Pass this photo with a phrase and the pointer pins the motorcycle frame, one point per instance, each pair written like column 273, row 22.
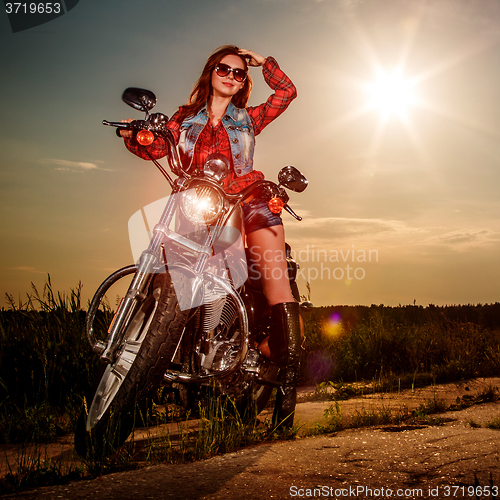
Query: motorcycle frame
column 150, row 263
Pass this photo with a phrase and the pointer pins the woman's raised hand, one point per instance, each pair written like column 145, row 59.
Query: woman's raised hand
column 253, row 59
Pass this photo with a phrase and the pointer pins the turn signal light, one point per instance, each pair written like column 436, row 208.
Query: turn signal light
column 145, row 137
column 275, row 205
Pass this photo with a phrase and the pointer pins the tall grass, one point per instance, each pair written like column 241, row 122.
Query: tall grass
column 221, row 429
column 45, row 364
column 34, row 468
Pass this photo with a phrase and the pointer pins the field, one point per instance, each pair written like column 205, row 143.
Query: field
column 406, row 345
column 46, row 364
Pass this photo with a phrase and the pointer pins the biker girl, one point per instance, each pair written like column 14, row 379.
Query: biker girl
column 217, row 120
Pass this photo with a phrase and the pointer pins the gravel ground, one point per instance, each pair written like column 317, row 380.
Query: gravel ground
column 418, row 461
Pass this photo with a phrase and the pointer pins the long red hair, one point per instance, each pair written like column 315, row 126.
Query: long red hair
column 203, row 88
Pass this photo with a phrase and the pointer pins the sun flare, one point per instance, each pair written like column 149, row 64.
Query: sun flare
column 392, row 94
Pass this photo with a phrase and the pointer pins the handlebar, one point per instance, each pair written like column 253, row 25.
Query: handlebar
column 160, row 130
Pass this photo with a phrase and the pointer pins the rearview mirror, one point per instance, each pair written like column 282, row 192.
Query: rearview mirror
column 140, row 99
column 292, row 179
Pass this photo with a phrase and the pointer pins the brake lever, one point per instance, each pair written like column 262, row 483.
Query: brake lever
column 134, row 124
column 291, row 212
column 116, row 124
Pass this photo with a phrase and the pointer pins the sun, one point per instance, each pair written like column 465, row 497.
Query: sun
column 392, row 94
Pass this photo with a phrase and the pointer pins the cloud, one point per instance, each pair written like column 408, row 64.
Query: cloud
column 374, row 225
column 343, row 228
column 67, row 165
column 29, row 269
column 465, row 237
column 339, row 232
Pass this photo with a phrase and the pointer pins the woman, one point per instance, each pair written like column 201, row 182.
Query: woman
column 217, row 120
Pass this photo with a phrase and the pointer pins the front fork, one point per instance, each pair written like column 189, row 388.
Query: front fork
column 135, row 294
column 148, row 264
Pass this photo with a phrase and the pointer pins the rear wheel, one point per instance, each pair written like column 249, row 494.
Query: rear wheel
column 258, row 397
column 149, row 344
column 262, row 392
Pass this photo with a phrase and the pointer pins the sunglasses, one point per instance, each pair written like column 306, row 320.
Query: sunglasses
column 240, row 75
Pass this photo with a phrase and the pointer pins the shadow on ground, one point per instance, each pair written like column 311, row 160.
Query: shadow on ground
column 424, row 461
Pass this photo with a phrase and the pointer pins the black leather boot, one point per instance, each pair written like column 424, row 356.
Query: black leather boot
column 284, row 343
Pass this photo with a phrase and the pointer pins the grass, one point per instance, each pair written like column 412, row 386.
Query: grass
column 46, row 365
column 379, row 416
column 383, row 415
column 492, row 424
column 411, row 345
column 489, row 395
column 34, row 468
column 219, row 428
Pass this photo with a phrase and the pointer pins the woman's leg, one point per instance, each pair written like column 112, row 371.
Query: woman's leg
column 267, row 247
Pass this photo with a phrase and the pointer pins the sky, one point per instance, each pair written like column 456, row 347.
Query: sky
column 402, row 205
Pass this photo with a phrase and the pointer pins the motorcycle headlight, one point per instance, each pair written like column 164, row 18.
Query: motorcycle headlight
column 202, row 204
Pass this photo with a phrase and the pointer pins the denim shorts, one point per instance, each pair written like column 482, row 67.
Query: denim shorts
column 258, row 216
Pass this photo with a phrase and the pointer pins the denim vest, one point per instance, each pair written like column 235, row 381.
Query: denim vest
column 239, row 128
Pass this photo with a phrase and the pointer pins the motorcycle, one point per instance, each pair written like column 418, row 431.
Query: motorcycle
column 194, row 313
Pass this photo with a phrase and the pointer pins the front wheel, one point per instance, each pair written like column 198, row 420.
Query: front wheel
column 148, row 346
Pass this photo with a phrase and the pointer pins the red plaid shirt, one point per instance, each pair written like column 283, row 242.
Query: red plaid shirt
column 215, row 139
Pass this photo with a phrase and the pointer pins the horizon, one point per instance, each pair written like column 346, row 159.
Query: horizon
column 396, row 127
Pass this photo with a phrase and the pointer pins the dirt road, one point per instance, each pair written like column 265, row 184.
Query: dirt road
column 383, row 462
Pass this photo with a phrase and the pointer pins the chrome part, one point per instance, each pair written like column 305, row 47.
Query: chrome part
column 292, row 179
column 99, row 347
column 240, row 308
column 221, row 355
column 115, row 373
column 238, row 357
column 252, row 362
column 292, row 213
column 253, row 371
column 219, row 350
column 140, row 99
column 306, row 306
column 212, row 313
column 216, row 166
column 148, row 263
column 127, row 306
column 218, row 308
column 182, row 240
column 229, row 313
